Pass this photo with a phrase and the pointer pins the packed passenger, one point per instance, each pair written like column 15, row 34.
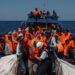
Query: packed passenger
column 36, row 13
column 2, row 46
column 26, row 43
column 46, row 60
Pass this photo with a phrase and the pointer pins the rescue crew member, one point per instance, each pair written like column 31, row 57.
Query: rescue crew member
column 45, row 60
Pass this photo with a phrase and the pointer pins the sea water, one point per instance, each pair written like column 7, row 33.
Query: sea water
column 6, row 26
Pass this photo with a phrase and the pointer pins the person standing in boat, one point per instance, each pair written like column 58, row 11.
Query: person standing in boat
column 9, row 48
column 36, row 13
column 45, row 59
column 32, row 61
column 22, row 55
column 54, row 15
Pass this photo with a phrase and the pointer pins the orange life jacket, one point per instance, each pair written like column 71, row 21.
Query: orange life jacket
column 11, row 48
column 15, row 39
column 43, row 38
column 62, row 38
column 34, row 51
column 29, row 42
column 26, row 36
column 66, row 48
column 68, row 35
column 71, row 43
column 6, row 37
column 60, row 48
column 1, row 48
column 56, row 34
column 36, row 12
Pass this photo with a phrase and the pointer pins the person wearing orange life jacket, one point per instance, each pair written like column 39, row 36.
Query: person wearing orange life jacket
column 66, row 48
column 56, row 33
column 27, row 34
column 60, row 50
column 62, row 37
column 11, row 48
column 32, row 62
column 7, row 49
column 36, row 12
column 67, row 35
column 33, row 51
column 10, row 43
column 14, row 39
column 71, row 48
column 2, row 46
column 43, row 39
column 29, row 42
column 7, row 46
column 72, row 42
column 60, row 47
column 6, row 37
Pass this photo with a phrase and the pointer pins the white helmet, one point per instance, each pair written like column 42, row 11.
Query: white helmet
column 39, row 45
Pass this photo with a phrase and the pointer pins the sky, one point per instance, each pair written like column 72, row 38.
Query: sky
column 17, row 10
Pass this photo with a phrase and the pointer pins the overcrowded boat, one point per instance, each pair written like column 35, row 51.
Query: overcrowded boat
column 39, row 46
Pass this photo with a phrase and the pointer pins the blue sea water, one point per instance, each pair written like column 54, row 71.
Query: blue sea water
column 6, row 26
column 70, row 25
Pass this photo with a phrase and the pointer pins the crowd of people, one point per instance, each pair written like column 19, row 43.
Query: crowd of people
column 36, row 47
column 34, row 44
column 43, row 14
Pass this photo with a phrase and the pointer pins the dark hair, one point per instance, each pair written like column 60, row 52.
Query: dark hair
column 34, row 43
column 36, row 8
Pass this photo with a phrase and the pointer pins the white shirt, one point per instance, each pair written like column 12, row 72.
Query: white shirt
column 44, row 55
column 18, row 52
column 53, row 42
